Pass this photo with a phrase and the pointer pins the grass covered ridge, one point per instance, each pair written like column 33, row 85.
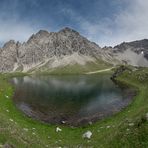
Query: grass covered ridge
column 128, row 129
column 75, row 69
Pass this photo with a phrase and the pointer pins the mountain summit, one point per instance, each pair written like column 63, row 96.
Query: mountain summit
column 46, row 51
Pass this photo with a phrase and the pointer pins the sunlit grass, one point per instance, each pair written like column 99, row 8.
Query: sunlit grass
column 128, row 128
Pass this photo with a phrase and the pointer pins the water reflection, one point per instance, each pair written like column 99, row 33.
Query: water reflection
column 73, row 99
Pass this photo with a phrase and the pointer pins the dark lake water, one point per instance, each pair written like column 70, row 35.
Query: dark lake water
column 72, row 100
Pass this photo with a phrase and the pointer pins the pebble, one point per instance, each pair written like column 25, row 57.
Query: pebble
column 131, row 124
column 25, row 129
column 108, row 126
column 11, row 120
column 6, row 96
column 58, row 129
column 90, row 123
column 127, row 129
column 63, row 122
column 87, row 135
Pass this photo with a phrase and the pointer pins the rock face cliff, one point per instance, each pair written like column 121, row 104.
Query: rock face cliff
column 133, row 53
column 45, row 51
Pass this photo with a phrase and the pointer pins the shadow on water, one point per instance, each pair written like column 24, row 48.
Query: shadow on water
column 72, row 100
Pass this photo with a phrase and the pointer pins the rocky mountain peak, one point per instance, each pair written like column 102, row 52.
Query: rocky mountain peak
column 134, row 53
column 46, row 50
column 135, row 44
column 68, row 30
column 42, row 33
column 9, row 44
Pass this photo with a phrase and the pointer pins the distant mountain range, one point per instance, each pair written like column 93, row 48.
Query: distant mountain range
column 46, row 51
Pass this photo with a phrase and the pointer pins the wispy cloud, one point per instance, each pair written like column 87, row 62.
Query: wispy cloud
column 128, row 24
column 12, row 26
column 10, row 29
column 132, row 23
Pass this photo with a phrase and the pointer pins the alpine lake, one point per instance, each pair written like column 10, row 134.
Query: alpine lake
column 73, row 100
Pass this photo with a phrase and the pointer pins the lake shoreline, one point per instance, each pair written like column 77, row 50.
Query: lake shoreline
column 70, row 87
column 120, row 129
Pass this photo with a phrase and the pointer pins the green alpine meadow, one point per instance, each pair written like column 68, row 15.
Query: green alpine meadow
column 73, row 74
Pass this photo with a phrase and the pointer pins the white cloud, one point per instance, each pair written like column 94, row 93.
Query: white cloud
column 10, row 29
column 133, row 22
column 11, row 26
column 130, row 23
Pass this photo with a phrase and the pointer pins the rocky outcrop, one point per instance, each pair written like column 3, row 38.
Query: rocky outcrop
column 46, row 50
column 119, row 71
column 9, row 55
column 133, row 53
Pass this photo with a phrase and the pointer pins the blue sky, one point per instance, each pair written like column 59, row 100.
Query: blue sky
column 106, row 22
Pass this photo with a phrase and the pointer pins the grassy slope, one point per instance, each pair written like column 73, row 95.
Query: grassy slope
column 116, row 136
column 76, row 68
